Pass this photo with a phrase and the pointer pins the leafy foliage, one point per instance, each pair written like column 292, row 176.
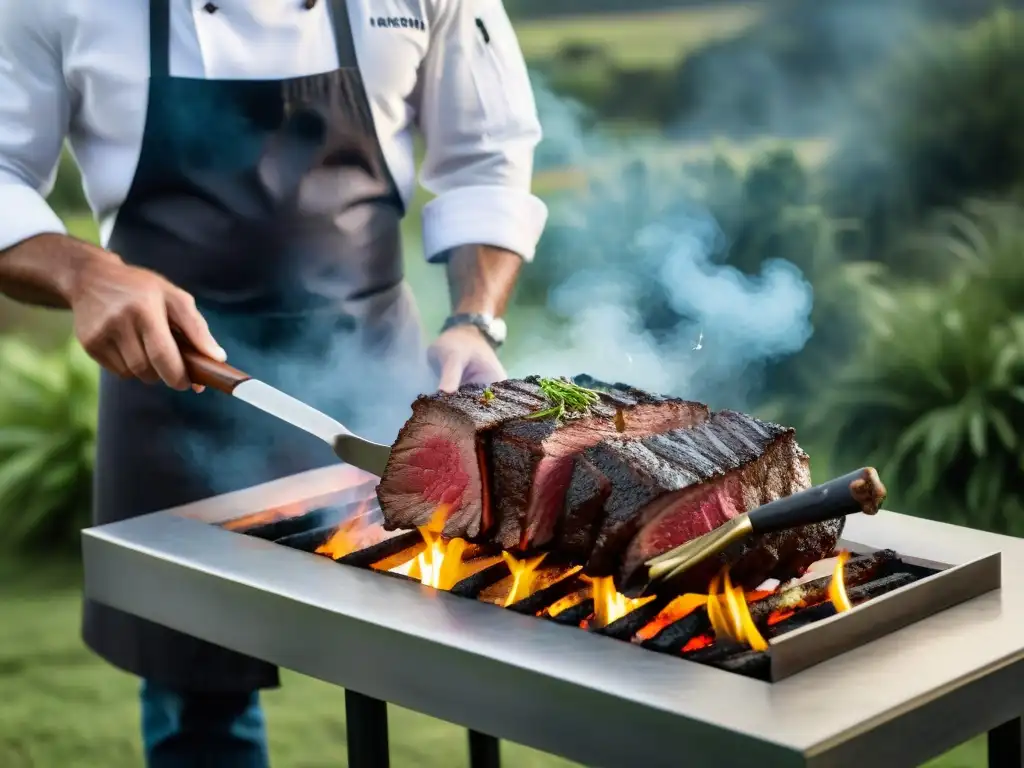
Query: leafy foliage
column 939, row 123
column 936, row 397
column 47, row 441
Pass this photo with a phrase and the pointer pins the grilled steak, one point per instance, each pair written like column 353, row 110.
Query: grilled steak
column 442, row 455
column 438, row 460
column 533, row 459
column 669, row 489
column 584, row 503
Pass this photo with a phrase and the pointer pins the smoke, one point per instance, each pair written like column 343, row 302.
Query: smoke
column 366, row 383
column 639, row 290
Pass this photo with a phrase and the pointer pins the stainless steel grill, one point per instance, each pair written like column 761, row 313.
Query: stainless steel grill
column 904, row 693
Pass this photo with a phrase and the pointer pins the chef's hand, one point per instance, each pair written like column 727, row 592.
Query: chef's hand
column 462, row 355
column 123, row 318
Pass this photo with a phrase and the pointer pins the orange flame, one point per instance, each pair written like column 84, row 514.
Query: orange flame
column 609, row 604
column 524, row 574
column 439, row 564
column 265, row 517
column 837, row 587
column 729, row 614
column 355, row 533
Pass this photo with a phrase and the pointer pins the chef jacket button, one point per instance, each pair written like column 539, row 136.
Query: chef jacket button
column 309, row 4
column 210, row 8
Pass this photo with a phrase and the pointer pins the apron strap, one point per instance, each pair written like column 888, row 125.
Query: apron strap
column 159, row 38
column 343, row 40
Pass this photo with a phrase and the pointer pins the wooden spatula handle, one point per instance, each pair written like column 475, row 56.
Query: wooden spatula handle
column 207, row 372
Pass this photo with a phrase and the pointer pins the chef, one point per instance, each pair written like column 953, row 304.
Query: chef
column 249, row 162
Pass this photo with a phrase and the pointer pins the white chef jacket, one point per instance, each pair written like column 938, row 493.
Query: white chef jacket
column 78, row 70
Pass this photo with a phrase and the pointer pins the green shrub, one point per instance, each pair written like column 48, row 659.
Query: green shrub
column 47, row 439
column 935, row 399
column 942, row 121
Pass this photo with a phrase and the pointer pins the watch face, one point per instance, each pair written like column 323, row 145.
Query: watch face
column 498, row 330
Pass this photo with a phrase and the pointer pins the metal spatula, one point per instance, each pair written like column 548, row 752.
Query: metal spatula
column 350, row 448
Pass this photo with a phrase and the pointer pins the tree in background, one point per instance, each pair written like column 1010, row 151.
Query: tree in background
column 942, row 121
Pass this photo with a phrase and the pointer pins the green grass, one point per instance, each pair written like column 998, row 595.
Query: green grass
column 638, row 39
column 62, row 706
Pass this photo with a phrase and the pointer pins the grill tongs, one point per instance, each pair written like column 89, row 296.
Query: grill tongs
column 350, row 448
column 860, row 491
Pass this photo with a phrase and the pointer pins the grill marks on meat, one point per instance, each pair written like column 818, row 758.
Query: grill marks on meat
column 668, row 489
column 441, row 456
column 533, row 459
column 438, row 457
column 634, row 477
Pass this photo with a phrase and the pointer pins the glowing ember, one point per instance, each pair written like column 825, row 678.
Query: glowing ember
column 729, row 614
column 678, row 609
column 265, row 517
column 837, row 587
column 610, row 605
column 523, row 577
column 698, row 642
column 355, row 533
column 776, row 616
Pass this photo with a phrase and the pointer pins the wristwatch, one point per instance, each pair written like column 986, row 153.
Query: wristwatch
column 492, row 328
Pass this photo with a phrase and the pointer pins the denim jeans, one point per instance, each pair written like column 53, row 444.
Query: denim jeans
column 190, row 730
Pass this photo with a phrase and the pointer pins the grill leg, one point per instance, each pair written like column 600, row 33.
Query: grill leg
column 366, row 724
column 484, row 751
column 1006, row 745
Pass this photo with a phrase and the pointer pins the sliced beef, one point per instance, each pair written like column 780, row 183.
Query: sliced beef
column 533, row 459
column 438, row 462
column 584, row 501
column 669, row 489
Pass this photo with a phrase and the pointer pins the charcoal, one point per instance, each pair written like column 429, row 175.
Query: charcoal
column 715, row 653
column 543, row 598
column 673, row 638
column 374, row 555
column 857, row 595
column 472, row 586
column 402, row 576
column 309, row 541
column 626, row 627
column 755, row 664
column 857, row 570
column 574, row 615
column 289, row 526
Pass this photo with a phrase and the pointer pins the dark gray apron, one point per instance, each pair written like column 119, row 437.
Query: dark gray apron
column 271, row 203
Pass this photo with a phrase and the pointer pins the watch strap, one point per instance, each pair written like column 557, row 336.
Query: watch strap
column 482, row 322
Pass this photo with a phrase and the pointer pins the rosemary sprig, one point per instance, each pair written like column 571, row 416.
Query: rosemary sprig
column 565, row 397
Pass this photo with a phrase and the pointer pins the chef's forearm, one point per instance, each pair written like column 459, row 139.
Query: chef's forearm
column 43, row 270
column 481, row 278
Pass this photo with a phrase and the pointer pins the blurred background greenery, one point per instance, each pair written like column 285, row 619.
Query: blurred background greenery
column 878, row 149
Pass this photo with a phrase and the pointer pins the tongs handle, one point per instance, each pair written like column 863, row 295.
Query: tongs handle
column 860, row 491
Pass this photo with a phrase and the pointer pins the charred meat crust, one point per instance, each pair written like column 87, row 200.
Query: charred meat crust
column 643, row 471
column 588, row 491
